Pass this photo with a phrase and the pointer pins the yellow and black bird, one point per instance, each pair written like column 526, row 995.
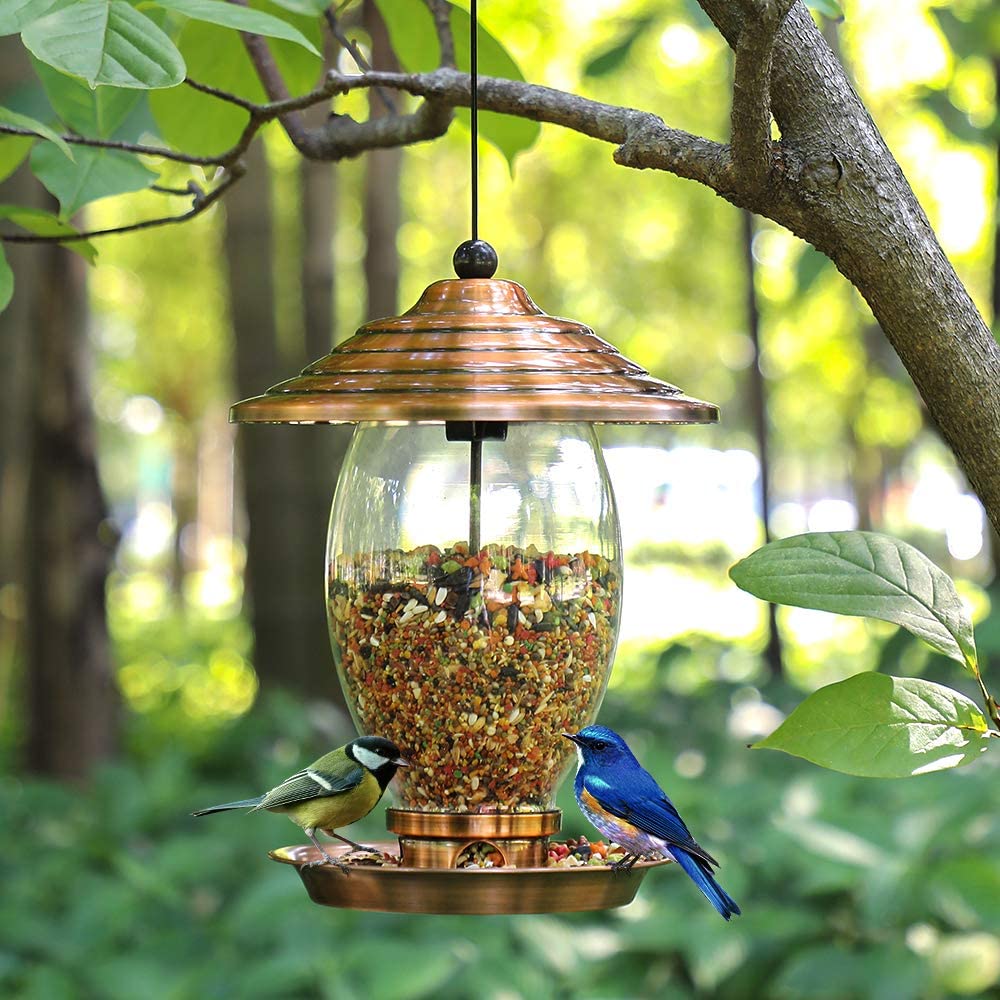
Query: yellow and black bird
column 336, row 790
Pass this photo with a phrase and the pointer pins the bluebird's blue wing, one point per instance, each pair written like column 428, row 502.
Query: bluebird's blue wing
column 639, row 800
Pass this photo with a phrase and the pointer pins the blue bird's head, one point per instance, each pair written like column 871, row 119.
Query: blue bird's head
column 600, row 746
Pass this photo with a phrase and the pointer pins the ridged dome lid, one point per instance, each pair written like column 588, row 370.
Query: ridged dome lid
column 474, row 349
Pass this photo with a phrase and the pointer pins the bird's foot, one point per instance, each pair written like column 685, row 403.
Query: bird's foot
column 351, row 843
column 327, row 860
column 625, row 864
column 324, row 858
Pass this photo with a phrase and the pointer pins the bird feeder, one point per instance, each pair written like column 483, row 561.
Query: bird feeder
column 473, row 579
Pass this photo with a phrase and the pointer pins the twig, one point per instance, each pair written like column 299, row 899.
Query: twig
column 223, row 95
column 125, row 147
column 275, row 88
column 358, row 56
column 751, row 112
column 201, row 203
column 989, row 702
column 441, row 12
column 191, row 189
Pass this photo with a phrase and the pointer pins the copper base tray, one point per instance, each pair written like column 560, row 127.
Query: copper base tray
column 462, row 890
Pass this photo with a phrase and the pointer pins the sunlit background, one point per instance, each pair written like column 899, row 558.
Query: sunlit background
column 660, row 275
column 657, row 266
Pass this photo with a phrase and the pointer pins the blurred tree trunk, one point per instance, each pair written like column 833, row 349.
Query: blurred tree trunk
column 72, row 699
column 15, row 345
column 757, row 398
column 56, row 547
column 288, row 473
column 382, row 202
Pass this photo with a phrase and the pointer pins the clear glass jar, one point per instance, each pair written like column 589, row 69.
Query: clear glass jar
column 474, row 661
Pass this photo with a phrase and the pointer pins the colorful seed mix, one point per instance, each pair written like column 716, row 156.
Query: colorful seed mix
column 475, row 665
column 581, row 853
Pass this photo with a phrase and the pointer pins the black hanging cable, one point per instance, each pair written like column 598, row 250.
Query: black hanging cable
column 474, row 109
column 474, row 258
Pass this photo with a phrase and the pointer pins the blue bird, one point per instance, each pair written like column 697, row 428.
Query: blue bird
column 626, row 804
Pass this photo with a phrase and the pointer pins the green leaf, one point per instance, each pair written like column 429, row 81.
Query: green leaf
column 229, row 15
column 511, row 135
column 97, row 173
column 42, row 223
column 16, row 15
column 13, row 150
column 301, row 69
column 33, row 125
column 411, row 32
column 614, row 56
column 877, row 726
column 106, row 42
column 96, row 113
column 6, row 280
column 810, row 265
column 865, row 574
column 303, row 6
column 830, row 9
column 196, row 122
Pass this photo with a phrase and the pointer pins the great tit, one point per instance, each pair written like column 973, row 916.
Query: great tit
column 336, row 790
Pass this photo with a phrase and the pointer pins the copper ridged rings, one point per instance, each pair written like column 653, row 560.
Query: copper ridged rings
column 474, row 349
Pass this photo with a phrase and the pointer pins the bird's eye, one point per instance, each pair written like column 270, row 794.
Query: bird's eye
column 599, row 745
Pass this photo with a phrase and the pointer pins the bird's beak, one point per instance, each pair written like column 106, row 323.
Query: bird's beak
column 400, row 762
column 571, row 736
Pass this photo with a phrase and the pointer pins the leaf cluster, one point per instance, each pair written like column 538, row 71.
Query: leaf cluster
column 872, row 724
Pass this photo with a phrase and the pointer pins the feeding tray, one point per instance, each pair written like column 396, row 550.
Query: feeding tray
column 398, row 889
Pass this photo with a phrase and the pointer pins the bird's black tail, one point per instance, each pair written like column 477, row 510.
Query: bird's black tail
column 701, row 875
column 242, row 804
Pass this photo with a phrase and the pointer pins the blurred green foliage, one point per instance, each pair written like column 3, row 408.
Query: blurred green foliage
column 851, row 889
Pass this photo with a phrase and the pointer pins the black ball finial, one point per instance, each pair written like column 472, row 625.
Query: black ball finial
column 475, row 259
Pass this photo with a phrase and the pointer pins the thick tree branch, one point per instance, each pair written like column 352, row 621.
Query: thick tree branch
column 752, row 152
column 643, row 139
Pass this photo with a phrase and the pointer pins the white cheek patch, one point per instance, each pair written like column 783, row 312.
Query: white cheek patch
column 369, row 759
column 579, row 755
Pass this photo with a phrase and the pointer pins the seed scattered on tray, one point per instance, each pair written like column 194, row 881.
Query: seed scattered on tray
column 578, row 853
column 478, row 693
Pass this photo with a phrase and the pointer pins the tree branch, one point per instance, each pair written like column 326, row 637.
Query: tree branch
column 643, row 140
column 352, row 47
column 202, row 202
column 222, row 95
column 126, row 147
column 441, row 12
column 275, row 88
column 752, row 151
